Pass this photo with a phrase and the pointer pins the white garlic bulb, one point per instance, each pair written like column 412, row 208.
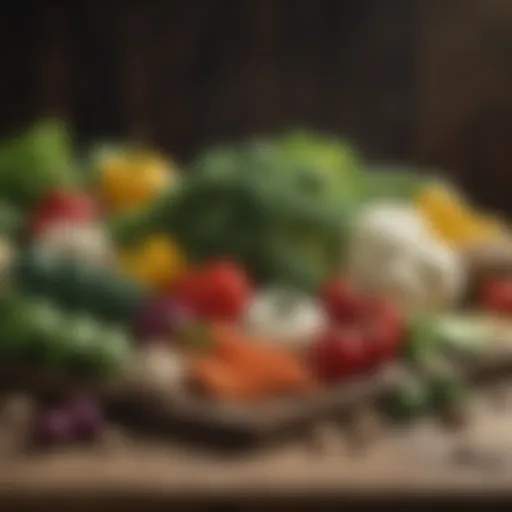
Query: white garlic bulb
column 287, row 317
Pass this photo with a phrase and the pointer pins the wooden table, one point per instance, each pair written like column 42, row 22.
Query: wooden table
column 398, row 465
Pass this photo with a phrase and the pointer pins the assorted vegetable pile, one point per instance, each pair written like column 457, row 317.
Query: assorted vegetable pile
column 271, row 268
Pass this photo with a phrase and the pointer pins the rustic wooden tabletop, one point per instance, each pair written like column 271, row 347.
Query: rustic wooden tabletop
column 425, row 460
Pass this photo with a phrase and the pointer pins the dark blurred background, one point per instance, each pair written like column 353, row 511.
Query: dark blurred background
column 427, row 81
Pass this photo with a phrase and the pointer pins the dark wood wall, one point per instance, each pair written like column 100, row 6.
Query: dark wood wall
column 422, row 80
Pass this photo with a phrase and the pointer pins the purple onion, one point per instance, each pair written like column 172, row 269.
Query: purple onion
column 87, row 419
column 159, row 318
column 54, row 427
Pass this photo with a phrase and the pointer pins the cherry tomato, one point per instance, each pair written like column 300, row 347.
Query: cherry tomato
column 496, row 295
column 383, row 328
column 339, row 354
column 341, row 301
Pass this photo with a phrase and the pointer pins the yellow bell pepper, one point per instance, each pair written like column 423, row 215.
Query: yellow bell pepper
column 485, row 230
column 133, row 180
column 454, row 221
column 156, row 263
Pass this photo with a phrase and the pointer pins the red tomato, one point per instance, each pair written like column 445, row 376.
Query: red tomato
column 220, row 290
column 229, row 290
column 341, row 301
column 74, row 206
column 496, row 295
column 339, row 354
column 383, row 327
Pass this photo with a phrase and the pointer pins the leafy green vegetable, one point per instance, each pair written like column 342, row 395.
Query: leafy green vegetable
column 35, row 162
column 12, row 220
column 335, row 159
column 317, row 165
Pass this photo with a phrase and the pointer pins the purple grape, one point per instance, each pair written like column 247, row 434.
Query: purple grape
column 160, row 318
column 54, row 427
column 87, row 419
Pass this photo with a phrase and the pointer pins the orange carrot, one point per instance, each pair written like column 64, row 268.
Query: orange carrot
column 280, row 370
column 223, row 381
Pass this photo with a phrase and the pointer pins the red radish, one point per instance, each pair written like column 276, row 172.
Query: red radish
column 338, row 354
column 69, row 206
column 341, row 300
column 74, row 202
column 54, row 427
column 496, row 295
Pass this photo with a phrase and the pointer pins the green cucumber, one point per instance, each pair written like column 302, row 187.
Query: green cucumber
column 36, row 331
column 466, row 334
